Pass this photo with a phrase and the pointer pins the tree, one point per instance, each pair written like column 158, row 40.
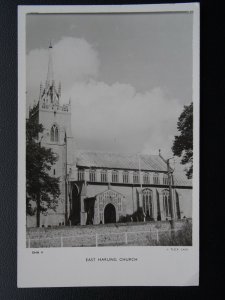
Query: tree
column 183, row 143
column 40, row 186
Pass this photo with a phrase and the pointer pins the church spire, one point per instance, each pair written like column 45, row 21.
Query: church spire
column 50, row 77
column 49, row 94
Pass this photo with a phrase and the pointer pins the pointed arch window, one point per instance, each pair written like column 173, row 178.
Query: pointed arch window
column 54, row 134
column 166, row 203
column 147, row 203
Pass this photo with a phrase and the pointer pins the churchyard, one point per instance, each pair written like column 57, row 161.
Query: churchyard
column 118, row 234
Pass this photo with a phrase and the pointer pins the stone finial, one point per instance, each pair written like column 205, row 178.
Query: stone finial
column 50, row 66
column 41, row 89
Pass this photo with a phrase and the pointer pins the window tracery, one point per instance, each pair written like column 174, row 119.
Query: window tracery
column 54, row 135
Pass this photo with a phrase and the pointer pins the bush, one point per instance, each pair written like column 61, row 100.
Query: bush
column 125, row 219
column 182, row 237
column 138, row 215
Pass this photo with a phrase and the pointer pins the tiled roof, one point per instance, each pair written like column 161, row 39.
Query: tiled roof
column 120, row 161
column 130, row 162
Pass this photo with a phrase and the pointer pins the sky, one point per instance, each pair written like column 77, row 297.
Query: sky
column 128, row 75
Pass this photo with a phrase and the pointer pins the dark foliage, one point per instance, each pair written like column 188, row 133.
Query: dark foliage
column 183, row 143
column 138, row 215
column 40, row 186
column 125, row 219
column 182, row 237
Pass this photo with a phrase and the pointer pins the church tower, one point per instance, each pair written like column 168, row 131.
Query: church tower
column 56, row 120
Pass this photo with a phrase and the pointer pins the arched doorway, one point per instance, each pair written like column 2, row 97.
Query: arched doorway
column 110, row 214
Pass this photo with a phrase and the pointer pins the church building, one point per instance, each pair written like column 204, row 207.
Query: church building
column 98, row 187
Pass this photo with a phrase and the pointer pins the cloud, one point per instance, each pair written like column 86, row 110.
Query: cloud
column 73, row 59
column 117, row 118
column 108, row 117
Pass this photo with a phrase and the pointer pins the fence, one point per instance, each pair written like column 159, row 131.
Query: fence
column 151, row 237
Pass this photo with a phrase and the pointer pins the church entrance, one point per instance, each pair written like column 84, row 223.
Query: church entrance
column 109, row 214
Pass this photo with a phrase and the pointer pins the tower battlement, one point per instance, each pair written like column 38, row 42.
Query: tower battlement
column 55, row 107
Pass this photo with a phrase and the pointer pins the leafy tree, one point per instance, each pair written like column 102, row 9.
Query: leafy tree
column 183, row 143
column 40, row 186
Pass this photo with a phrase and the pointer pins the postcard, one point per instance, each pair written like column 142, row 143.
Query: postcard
column 108, row 145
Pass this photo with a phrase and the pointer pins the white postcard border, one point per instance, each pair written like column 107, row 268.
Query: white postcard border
column 64, row 267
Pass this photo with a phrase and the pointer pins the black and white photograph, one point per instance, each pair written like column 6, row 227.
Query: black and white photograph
column 110, row 151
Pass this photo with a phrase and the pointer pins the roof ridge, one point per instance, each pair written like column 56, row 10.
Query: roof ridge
column 115, row 153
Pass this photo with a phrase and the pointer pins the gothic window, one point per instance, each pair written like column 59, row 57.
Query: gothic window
column 115, row 176
column 92, row 175
column 81, row 175
column 135, row 177
column 156, row 178
column 147, row 203
column 165, row 179
column 166, row 203
column 104, row 176
column 54, row 133
column 125, row 177
column 146, row 178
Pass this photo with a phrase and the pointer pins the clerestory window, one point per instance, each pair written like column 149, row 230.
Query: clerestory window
column 80, row 175
column 104, row 176
column 146, row 178
column 92, row 175
column 135, row 177
column 125, row 177
column 156, row 178
column 115, row 176
column 165, row 179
